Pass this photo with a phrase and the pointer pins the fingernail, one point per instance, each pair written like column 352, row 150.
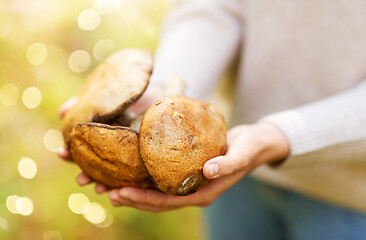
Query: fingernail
column 99, row 188
column 213, row 169
column 114, row 195
column 83, row 180
column 124, row 193
column 61, row 151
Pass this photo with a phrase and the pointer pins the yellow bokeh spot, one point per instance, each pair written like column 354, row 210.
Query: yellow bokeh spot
column 107, row 221
column 108, row 6
column 53, row 140
column 9, row 94
column 103, row 49
column 32, row 97
column 51, row 235
column 34, row 23
column 79, row 61
column 88, row 19
column 95, row 214
column 37, row 53
column 10, row 203
column 79, row 203
column 3, row 223
column 27, row 168
column 24, row 206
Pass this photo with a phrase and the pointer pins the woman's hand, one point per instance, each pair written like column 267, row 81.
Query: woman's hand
column 150, row 96
column 249, row 146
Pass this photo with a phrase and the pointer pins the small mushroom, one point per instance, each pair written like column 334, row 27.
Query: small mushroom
column 109, row 154
column 177, row 136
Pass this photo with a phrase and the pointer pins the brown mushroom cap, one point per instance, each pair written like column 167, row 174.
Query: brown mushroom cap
column 110, row 89
column 109, row 154
column 177, row 136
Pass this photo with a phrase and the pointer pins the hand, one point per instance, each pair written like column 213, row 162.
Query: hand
column 248, row 147
column 150, row 96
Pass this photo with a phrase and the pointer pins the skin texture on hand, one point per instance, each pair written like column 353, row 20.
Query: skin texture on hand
column 249, row 146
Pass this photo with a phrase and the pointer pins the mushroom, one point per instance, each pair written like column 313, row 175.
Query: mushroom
column 177, row 134
column 109, row 154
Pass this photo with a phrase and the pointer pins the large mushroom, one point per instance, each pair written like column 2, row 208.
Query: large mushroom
column 109, row 154
column 177, row 135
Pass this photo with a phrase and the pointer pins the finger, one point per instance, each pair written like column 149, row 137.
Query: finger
column 118, row 201
column 234, row 160
column 158, row 199
column 101, row 188
column 82, row 179
column 66, row 106
column 151, row 200
column 144, row 197
column 64, row 153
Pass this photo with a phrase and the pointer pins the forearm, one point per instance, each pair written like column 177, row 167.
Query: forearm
column 200, row 39
column 332, row 129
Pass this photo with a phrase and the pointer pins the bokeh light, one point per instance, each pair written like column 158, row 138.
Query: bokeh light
column 51, row 235
column 3, row 223
column 107, row 221
column 95, row 214
column 79, row 203
column 9, row 94
column 34, row 23
column 10, row 203
column 37, row 53
column 53, row 140
column 108, row 7
column 24, row 206
column 79, row 61
column 89, row 19
column 32, row 97
column 27, row 168
column 103, row 49
column 8, row 20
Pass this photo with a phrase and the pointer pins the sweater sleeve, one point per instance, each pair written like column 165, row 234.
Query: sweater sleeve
column 331, row 130
column 200, row 38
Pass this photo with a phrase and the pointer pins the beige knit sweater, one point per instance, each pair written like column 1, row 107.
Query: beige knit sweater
column 302, row 64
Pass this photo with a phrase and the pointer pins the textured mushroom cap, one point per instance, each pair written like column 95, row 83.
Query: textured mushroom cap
column 177, row 136
column 110, row 89
column 109, row 154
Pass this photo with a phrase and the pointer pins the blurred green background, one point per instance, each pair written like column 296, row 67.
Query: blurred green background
column 47, row 48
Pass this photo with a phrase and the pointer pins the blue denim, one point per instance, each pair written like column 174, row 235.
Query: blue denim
column 253, row 210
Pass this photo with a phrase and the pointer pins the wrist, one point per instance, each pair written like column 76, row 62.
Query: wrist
column 276, row 147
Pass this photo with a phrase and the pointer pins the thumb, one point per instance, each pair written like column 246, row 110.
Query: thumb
column 222, row 166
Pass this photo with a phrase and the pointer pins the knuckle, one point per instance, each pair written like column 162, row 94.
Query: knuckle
column 244, row 162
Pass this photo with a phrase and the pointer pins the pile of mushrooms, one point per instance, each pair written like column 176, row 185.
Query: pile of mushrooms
column 176, row 137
